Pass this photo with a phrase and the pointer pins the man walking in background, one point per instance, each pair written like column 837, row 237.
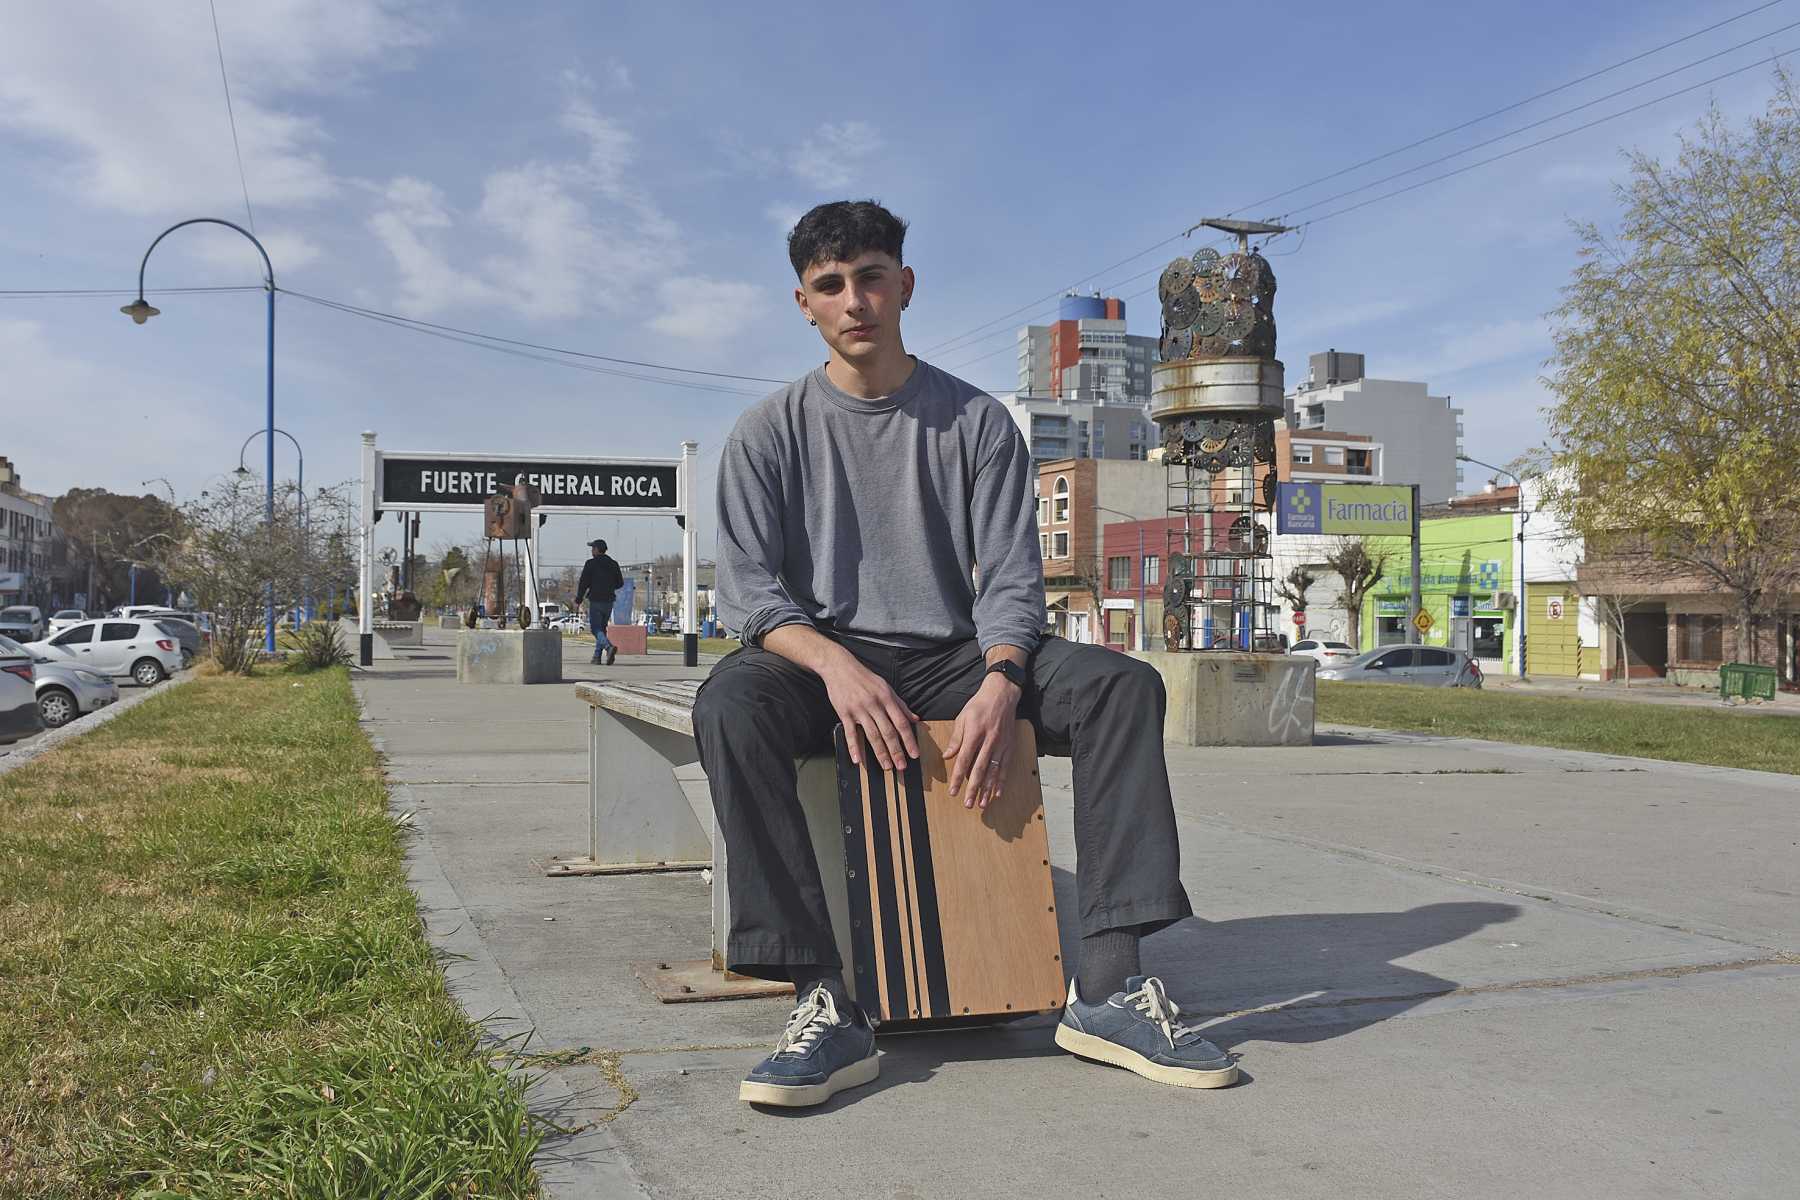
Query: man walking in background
column 600, row 583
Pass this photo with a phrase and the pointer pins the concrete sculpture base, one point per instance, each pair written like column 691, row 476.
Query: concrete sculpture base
column 1231, row 698
column 509, row 656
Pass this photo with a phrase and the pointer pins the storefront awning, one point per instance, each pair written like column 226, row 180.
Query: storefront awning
column 1056, row 599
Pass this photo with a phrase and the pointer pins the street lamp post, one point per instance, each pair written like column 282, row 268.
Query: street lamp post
column 1520, row 606
column 1143, row 608
column 140, row 311
column 243, row 472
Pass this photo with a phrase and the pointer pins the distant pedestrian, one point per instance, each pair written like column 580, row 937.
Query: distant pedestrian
column 600, row 584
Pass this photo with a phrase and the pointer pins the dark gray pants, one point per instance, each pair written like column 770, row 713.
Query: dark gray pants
column 757, row 712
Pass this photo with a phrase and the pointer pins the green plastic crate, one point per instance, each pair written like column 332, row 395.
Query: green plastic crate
column 1747, row 681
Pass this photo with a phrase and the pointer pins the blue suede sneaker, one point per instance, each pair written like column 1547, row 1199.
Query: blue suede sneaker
column 818, row 1055
column 1138, row 1029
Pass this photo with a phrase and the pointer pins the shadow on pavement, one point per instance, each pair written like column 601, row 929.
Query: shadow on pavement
column 1317, row 961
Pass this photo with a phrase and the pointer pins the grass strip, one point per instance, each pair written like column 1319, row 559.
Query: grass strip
column 213, row 978
column 1673, row 733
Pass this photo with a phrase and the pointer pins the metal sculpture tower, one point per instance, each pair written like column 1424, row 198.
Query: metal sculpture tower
column 1215, row 396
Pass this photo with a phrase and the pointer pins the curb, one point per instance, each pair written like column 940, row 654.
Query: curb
column 12, row 760
column 587, row 1163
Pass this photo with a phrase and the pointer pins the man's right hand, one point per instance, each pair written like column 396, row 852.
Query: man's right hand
column 865, row 704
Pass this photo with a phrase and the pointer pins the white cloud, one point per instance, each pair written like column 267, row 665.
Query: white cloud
column 288, row 251
column 128, row 104
column 784, row 216
column 698, row 309
column 834, row 155
column 547, row 239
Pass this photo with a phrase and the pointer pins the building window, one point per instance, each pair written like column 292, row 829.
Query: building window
column 1060, row 545
column 1358, row 463
column 1043, row 515
column 1303, row 455
column 1118, row 573
column 1043, row 545
column 1152, row 570
column 1334, row 456
column 1700, row 637
column 1059, row 501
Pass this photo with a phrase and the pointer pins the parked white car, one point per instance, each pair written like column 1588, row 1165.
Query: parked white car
column 19, row 717
column 66, row 691
column 1327, row 653
column 123, row 649
column 62, row 618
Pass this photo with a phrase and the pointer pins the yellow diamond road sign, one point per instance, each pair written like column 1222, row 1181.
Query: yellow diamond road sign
column 1422, row 621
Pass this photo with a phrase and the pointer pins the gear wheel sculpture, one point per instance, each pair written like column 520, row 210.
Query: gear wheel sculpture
column 1215, row 398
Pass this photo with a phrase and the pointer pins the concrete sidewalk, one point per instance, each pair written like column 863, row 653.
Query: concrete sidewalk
column 1452, row 968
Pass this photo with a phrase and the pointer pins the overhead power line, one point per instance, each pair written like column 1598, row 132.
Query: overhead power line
column 54, row 293
column 231, row 115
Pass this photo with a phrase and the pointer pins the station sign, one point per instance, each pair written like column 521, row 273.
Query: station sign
column 416, row 482
column 1346, row 508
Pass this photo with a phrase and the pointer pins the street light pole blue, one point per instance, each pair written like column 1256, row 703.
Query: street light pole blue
column 140, row 311
column 299, row 482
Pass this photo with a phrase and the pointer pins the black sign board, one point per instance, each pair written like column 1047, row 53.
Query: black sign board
column 413, row 482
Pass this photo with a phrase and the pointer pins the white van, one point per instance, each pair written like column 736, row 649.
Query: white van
column 549, row 612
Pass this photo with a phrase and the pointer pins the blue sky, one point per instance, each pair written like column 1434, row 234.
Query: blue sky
column 618, row 179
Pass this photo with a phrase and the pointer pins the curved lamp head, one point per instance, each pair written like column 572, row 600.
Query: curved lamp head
column 140, row 311
column 242, row 472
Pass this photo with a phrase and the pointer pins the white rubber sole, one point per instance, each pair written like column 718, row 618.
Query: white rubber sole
column 805, row 1096
column 1086, row 1045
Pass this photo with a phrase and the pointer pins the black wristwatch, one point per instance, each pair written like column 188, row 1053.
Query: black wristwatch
column 1012, row 671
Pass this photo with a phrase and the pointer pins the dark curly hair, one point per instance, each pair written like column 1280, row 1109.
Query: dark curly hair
column 841, row 230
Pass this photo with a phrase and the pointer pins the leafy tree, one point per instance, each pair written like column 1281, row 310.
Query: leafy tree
column 1351, row 560
column 1676, row 372
column 108, row 532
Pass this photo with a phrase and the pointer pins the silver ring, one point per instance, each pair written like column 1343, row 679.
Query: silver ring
column 993, row 762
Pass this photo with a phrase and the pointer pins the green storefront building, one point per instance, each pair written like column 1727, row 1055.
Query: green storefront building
column 1465, row 583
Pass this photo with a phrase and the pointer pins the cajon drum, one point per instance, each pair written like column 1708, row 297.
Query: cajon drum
column 951, row 909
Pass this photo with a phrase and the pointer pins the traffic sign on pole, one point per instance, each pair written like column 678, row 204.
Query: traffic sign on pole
column 1422, row 621
column 1300, row 619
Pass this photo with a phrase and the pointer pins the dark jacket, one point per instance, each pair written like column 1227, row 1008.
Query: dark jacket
column 600, row 578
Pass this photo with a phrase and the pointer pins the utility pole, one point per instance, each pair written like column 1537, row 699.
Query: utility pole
column 1414, row 600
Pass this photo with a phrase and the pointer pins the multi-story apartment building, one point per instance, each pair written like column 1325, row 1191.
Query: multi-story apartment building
column 1084, row 384
column 1086, row 354
column 1056, row 428
column 1416, row 435
column 27, row 543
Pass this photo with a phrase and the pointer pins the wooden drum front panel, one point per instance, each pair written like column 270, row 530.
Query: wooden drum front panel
column 951, row 909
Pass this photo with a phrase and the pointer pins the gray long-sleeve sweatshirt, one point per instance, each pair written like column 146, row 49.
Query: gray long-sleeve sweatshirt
column 875, row 516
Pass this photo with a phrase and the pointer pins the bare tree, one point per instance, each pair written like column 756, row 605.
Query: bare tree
column 1293, row 587
column 235, row 561
column 1360, row 570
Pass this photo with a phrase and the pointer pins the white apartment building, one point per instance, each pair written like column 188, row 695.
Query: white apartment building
column 27, row 533
column 1061, row 428
column 1416, row 436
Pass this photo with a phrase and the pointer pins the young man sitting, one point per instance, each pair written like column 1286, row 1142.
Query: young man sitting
column 857, row 507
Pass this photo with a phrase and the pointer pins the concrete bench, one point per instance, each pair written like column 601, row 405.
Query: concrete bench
column 649, row 809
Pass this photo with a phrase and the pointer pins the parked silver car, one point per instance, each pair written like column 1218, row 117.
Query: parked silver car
column 66, row 691
column 19, row 717
column 22, row 623
column 1431, row 666
column 62, row 618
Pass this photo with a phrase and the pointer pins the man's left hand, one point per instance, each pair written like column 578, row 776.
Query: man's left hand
column 981, row 744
